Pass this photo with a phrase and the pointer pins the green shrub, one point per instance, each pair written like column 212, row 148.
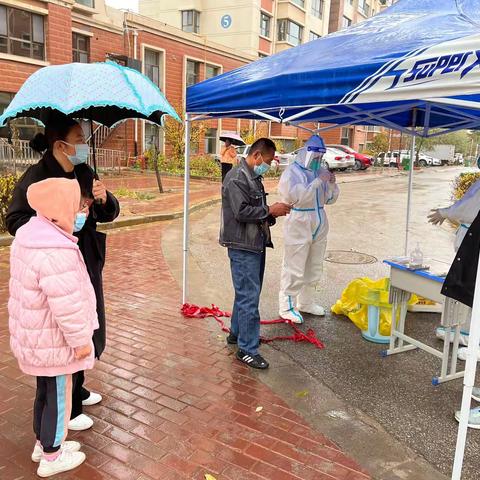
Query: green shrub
column 7, row 185
column 201, row 166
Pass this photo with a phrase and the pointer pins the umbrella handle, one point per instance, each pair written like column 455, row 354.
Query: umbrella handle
column 95, row 174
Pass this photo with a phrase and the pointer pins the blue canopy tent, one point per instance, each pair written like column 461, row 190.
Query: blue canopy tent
column 414, row 67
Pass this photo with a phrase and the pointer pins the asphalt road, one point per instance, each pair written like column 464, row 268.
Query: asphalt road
column 397, row 391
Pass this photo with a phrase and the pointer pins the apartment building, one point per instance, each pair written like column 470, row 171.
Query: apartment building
column 264, row 27
column 255, row 27
column 37, row 33
column 344, row 13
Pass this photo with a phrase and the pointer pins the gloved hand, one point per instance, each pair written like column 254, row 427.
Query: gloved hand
column 435, row 217
column 325, row 175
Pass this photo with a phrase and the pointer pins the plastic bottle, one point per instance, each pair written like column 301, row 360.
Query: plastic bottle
column 416, row 257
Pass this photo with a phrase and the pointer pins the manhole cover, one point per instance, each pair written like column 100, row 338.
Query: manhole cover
column 349, row 257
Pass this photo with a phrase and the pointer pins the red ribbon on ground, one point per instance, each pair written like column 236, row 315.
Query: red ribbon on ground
column 194, row 311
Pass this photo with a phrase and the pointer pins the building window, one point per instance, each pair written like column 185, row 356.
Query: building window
column 317, row 8
column 211, row 140
column 21, row 33
column 313, row 36
column 80, row 48
column 265, row 21
column 193, row 72
column 151, row 59
column 346, row 22
column 290, row 32
column 191, row 21
column 346, row 136
column 26, row 127
column 86, row 3
column 300, row 3
column 211, row 71
column 363, row 7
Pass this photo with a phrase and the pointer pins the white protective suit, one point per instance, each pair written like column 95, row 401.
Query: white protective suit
column 463, row 212
column 305, row 235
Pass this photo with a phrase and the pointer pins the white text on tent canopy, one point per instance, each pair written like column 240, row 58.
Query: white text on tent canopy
column 436, row 71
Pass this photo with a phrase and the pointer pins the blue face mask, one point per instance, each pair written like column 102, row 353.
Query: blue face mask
column 261, row 169
column 80, row 219
column 81, row 153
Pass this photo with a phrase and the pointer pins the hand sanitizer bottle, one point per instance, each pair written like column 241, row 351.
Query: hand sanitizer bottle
column 416, row 257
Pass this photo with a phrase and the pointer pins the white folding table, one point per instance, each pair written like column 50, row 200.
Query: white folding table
column 404, row 282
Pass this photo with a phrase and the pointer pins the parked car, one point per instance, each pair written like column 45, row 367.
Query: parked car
column 337, row 160
column 392, row 159
column 427, row 160
column 362, row 162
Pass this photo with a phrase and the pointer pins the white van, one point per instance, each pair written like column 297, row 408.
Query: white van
column 392, row 159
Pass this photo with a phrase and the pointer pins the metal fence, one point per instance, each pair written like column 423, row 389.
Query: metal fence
column 19, row 156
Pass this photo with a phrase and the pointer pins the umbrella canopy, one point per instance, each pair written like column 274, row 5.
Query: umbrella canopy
column 103, row 92
column 233, row 137
column 421, row 56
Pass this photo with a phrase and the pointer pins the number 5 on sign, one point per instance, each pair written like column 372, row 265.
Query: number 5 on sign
column 226, row 21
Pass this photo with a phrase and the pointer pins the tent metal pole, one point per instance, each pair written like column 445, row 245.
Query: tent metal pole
column 186, row 203
column 410, row 183
column 468, row 380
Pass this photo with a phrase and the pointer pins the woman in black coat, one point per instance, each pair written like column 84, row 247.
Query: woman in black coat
column 64, row 155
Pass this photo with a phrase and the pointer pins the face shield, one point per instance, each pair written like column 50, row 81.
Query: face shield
column 313, row 157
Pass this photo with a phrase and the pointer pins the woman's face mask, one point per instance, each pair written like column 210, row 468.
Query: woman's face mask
column 81, row 153
column 79, row 223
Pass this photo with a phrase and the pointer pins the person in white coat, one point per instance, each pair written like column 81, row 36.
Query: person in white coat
column 308, row 187
column 462, row 212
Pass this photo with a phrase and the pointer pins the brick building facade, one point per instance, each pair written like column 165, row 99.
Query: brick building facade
column 66, row 31
column 37, row 33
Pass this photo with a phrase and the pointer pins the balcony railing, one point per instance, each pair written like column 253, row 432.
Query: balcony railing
column 18, row 156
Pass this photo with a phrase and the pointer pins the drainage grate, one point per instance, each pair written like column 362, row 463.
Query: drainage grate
column 349, row 257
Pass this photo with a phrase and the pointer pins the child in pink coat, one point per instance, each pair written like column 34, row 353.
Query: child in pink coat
column 52, row 315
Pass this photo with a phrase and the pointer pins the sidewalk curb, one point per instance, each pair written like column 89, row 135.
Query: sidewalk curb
column 6, row 239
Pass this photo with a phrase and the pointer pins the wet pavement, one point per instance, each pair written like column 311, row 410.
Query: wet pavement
column 395, row 393
column 176, row 405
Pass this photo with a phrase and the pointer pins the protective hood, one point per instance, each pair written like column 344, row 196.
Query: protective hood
column 313, row 150
column 56, row 199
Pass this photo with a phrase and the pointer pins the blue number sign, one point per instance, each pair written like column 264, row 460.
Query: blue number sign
column 226, row 21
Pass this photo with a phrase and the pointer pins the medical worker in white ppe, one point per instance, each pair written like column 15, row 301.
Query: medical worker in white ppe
column 462, row 212
column 308, row 187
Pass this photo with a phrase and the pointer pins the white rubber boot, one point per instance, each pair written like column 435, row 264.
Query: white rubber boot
column 288, row 309
column 313, row 309
column 307, row 301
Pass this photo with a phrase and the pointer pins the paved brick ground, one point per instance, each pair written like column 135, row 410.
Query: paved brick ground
column 176, row 404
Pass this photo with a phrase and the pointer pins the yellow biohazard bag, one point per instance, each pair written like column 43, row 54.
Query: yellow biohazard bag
column 362, row 292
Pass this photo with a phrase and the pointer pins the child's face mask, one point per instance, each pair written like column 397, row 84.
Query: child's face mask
column 79, row 223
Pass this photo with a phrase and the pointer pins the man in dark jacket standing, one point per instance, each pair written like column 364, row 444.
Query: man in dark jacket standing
column 245, row 231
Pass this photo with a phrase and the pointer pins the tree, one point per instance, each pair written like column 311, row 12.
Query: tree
column 379, row 144
column 152, row 155
column 175, row 134
column 460, row 139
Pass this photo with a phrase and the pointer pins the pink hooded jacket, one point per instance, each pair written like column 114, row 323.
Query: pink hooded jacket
column 52, row 307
